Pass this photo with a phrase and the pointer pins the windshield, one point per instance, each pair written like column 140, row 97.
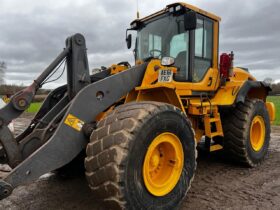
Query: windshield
column 164, row 36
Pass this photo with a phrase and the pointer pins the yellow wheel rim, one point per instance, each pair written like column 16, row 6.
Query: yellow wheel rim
column 257, row 133
column 163, row 164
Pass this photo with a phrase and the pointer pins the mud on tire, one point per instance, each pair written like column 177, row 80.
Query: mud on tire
column 116, row 152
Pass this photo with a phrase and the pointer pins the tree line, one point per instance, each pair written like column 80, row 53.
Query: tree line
column 10, row 90
column 275, row 89
column 3, row 68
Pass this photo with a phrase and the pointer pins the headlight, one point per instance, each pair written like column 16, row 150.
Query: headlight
column 167, row 61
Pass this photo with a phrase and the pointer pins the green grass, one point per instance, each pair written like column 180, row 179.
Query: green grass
column 276, row 101
column 34, row 107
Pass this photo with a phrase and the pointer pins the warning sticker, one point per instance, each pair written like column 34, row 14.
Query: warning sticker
column 74, row 122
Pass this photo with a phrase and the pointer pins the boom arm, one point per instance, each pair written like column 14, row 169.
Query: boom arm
column 53, row 139
column 78, row 77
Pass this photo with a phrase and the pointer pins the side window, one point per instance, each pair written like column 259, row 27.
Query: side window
column 203, row 48
column 179, row 50
column 155, row 45
column 199, row 38
column 208, row 39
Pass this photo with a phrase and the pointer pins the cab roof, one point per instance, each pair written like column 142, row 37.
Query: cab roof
column 188, row 6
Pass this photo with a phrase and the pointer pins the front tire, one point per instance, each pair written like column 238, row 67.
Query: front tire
column 117, row 155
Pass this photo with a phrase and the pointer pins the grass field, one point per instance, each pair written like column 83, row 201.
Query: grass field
column 276, row 101
column 34, row 107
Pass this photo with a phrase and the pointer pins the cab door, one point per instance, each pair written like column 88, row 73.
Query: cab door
column 203, row 72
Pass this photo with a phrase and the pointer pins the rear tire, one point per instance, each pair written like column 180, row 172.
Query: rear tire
column 116, row 153
column 246, row 132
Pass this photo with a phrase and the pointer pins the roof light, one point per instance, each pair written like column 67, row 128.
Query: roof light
column 178, row 8
column 134, row 25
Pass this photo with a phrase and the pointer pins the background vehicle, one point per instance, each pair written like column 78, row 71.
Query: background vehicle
column 140, row 125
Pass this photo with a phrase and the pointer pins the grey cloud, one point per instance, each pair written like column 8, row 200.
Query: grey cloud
column 251, row 29
column 33, row 32
column 30, row 40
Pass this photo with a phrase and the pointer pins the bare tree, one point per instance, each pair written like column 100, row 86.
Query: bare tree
column 3, row 68
column 268, row 80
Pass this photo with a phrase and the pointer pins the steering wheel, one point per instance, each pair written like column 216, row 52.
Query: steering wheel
column 152, row 52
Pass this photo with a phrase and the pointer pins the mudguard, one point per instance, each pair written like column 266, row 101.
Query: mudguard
column 249, row 86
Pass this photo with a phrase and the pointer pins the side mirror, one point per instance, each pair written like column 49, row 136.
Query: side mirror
column 190, row 20
column 128, row 41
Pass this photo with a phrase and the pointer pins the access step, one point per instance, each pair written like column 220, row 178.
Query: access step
column 215, row 147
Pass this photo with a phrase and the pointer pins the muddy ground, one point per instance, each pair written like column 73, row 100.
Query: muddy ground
column 218, row 184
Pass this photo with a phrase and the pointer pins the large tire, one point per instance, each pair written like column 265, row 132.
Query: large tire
column 237, row 125
column 116, row 153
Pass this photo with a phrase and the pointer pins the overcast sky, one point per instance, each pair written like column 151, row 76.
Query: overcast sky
column 33, row 32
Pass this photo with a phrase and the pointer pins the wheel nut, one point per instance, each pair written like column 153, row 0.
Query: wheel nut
column 22, row 103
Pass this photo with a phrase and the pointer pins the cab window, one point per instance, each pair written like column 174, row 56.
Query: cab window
column 179, row 51
column 203, row 48
column 155, row 45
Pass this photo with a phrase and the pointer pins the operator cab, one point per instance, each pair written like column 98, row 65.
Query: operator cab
column 181, row 33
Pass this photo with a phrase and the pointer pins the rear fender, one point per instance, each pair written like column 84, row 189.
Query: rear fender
column 253, row 89
column 257, row 89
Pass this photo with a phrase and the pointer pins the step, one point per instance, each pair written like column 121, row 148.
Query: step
column 215, row 147
column 215, row 119
column 216, row 134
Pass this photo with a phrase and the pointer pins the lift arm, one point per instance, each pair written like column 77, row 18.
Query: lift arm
column 78, row 77
column 56, row 136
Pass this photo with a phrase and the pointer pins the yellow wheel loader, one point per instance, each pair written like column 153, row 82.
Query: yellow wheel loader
column 134, row 130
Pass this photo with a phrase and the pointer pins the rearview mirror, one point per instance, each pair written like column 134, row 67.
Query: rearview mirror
column 190, row 20
column 128, row 41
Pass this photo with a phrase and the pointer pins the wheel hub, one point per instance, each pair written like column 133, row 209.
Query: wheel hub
column 163, row 164
column 155, row 160
column 257, row 133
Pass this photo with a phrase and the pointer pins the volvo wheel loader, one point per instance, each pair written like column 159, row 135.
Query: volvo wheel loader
column 136, row 128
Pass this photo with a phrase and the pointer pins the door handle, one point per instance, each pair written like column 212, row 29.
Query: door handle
column 210, row 81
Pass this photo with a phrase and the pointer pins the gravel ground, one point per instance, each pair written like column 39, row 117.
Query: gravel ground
column 218, row 184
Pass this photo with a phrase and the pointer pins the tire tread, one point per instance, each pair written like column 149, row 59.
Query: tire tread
column 234, row 122
column 109, row 148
